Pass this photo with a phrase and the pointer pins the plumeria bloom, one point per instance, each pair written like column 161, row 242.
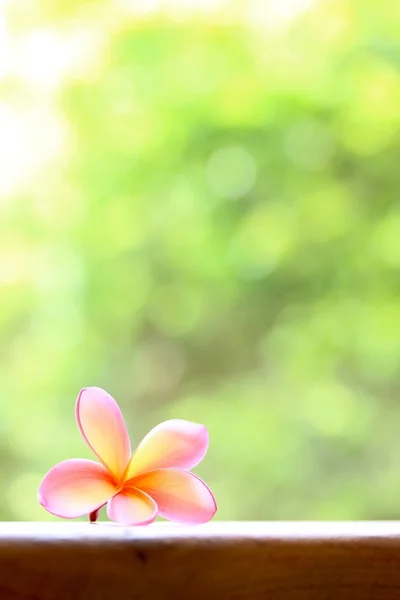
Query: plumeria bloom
column 154, row 480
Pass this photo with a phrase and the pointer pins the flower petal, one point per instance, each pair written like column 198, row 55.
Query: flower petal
column 180, row 496
column 132, row 507
column 103, row 428
column 75, row 487
column 176, row 443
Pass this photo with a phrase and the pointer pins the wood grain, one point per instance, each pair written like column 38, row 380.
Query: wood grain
column 276, row 561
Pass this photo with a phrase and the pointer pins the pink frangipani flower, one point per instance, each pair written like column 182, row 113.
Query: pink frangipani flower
column 154, row 480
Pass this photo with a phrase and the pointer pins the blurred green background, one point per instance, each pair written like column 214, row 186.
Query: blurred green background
column 199, row 212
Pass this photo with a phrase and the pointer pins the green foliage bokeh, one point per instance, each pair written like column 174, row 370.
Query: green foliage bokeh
column 216, row 238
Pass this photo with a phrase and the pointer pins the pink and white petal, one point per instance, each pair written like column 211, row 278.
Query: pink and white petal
column 180, row 496
column 173, row 444
column 103, row 428
column 75, row 487
column 132, row 507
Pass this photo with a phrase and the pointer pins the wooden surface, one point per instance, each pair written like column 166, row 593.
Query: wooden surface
column 276, row 561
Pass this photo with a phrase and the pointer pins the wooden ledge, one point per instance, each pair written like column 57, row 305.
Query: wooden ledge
column 276, row 561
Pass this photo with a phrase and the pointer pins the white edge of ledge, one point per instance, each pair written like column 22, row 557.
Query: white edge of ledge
column 67, row 530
